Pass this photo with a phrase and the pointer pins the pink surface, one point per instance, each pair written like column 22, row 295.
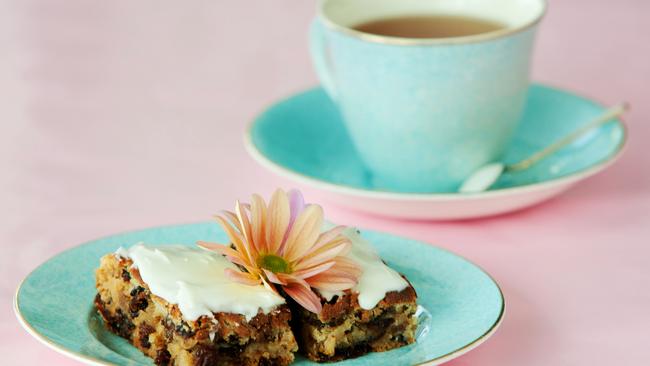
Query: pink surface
column 121, row 115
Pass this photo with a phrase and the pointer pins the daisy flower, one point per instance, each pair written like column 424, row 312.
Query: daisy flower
column 281, row 244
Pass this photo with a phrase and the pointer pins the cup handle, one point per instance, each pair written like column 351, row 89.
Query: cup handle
column 318, row 49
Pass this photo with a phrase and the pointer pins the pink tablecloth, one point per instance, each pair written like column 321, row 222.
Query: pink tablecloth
column 118, row 115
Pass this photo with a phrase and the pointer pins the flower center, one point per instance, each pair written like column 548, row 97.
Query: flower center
column 274, row 263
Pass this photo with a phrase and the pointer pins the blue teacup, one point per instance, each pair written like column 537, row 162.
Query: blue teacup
column 424, row 113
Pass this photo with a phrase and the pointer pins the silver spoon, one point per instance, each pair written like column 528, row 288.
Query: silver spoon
column 484, row 177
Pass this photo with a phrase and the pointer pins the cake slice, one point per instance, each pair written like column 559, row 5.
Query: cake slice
column 175, row 305
column 378, row 314
column 226, row 304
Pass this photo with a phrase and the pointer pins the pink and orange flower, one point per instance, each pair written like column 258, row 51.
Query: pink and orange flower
column 282, row 245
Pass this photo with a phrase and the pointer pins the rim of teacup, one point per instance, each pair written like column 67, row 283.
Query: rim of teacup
column 400, row 41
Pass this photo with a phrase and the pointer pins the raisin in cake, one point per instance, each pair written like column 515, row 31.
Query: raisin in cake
column 175, row 304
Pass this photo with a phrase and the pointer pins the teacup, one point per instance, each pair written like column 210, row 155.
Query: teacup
column 424, row 113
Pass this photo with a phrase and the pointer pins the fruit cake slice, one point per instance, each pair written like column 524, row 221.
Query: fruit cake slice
column 175, row 304
column 378, row 314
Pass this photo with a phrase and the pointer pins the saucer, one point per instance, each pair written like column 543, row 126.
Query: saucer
column 460, row 305
column 303, row 138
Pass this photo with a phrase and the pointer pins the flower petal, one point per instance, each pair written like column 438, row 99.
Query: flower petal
column 300, row 291
column 217, row 247
column 235, row 237
column 233, row 219
column 328, row 236
column 332, row 282
column 273, row 277
column 242, row 217
column 338, row 240
column 304, row 233
column 277, row 220
column 304, row 296
column 232, row 255
column 258, row 223
column 325, row 254
column 346, row 265
column 312, row 271
column 335, row 277
column 241, row 277
column 296, row 204
column 344, row 274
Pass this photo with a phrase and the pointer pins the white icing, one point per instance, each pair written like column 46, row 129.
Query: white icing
column 194, row 279
column 377, row 278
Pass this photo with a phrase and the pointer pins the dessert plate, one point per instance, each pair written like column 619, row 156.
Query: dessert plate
column 460, row 305
column 303, row 138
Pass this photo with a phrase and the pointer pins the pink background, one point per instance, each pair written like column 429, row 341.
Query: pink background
column 118, row 115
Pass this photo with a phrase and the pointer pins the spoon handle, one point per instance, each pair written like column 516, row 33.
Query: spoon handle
column 566, row 140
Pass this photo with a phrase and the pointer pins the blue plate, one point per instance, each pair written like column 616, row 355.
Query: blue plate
column 461, row 306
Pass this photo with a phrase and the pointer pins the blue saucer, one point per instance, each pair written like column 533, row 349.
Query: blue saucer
column 305, row 137
column 460, row 305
